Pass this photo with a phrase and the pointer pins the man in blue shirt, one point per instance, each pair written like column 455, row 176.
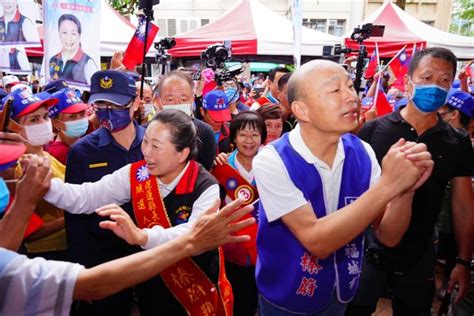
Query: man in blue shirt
column 115, row 144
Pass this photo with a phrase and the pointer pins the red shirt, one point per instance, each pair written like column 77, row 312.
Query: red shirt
column 59, row 150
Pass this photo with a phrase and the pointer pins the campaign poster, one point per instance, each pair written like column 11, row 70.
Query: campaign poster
column 71, row 40
column 18, row 24
column 14, row 61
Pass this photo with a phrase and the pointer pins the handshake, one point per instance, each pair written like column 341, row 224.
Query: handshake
column 406, row 166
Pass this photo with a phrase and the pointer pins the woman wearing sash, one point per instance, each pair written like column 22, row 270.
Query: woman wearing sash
column 247, row 134
column 168, row 190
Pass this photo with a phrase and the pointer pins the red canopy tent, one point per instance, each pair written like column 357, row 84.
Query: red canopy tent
column 402, row 29
column 254, row 30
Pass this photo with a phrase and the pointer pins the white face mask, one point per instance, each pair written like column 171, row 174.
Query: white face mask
column 39, row 134
column 186, row 107
column 148, row 108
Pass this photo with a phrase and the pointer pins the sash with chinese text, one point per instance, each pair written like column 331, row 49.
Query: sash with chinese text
column 236, row 186
column 188, row 283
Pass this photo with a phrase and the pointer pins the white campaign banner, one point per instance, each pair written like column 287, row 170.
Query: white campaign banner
column 17, row 24
column 14, row 61
column 71, row 40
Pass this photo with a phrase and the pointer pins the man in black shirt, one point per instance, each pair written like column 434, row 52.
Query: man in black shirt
column 409, row 266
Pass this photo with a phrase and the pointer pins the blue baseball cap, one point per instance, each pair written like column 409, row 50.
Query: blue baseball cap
column 112, row 86
column 55, row 85
column 216, row 103
column 24, row 102
column 462, row 101
column 68, row 103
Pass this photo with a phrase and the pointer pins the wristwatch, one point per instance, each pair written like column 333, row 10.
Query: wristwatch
column 466, row 263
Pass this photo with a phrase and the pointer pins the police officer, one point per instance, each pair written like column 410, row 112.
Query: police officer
column 115, row 144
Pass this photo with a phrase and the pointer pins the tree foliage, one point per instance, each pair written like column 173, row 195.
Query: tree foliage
column 462, row 17
column 124, row 7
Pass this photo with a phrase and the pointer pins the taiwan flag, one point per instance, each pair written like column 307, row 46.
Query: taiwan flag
column 398, row 68
column 134, row 53
column 372, row 66
column 381, row 104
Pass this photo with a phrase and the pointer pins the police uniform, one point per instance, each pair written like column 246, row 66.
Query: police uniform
column 89, row 159
column 410, row 265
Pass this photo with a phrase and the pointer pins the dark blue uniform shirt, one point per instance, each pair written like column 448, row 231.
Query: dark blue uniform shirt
column 91, row 158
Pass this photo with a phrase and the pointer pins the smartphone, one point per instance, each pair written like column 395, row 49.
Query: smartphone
column 5, row 115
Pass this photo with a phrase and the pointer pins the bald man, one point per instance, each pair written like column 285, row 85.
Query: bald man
column 320, row 187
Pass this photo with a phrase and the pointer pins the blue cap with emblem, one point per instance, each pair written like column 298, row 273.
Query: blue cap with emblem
column 24, row 102
column 55, row 86
column 112, row 86
column 462, row 101
column 69, row 103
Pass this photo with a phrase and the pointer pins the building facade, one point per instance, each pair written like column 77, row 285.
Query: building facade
column 335, row 17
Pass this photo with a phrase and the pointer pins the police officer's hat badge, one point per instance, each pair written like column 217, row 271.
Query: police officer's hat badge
column 106, row 82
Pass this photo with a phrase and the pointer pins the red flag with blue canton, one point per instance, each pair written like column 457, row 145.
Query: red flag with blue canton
column 134, row 53
column 398, row 68
column 382, row 105
column 372, row 66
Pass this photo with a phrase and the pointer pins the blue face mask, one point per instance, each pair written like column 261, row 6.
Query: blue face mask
column 232, row 95
column 428, row 98
column 114, row 120
column 76, row 129
column 4, row 196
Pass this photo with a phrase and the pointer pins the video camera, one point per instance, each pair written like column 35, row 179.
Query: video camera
column 359, row 35
column 217, row 54
column 162, row 57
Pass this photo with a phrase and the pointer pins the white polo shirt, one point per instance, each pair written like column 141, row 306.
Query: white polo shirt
column 280, row 195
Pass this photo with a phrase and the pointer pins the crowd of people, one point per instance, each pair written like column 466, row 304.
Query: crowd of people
column 110, row 195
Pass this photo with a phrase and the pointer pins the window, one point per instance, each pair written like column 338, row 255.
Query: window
column 163, row 30
column 430, row 23
column 171, row 27
column 315, row 24
column 183, row 26
column 337, row 27
column 204, row 21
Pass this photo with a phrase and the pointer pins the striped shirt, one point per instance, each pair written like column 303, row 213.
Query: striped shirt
column 35, row 286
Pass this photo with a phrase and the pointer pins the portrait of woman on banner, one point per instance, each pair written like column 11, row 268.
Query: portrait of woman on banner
column 71, row 63
column 16, row 26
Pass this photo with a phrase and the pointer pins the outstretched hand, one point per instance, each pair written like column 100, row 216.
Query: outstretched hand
column 215, row 228
column 122, row 225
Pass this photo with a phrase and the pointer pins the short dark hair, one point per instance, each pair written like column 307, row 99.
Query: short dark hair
column 183, row 130
column 173, row 74
column 294, row 90
column 274, row 71
column 435, row 52
column 72, row 18
column 249, row 119
column 464, row 119
column 270, row 111
column 283, row 80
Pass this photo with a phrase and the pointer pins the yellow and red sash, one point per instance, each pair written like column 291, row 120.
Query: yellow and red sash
column 237, row 186
column 188, row 283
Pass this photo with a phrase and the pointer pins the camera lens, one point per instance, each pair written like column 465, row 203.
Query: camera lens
column 221, row 53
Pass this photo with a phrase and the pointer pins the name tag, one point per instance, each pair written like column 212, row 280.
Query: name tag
column 98, row 165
